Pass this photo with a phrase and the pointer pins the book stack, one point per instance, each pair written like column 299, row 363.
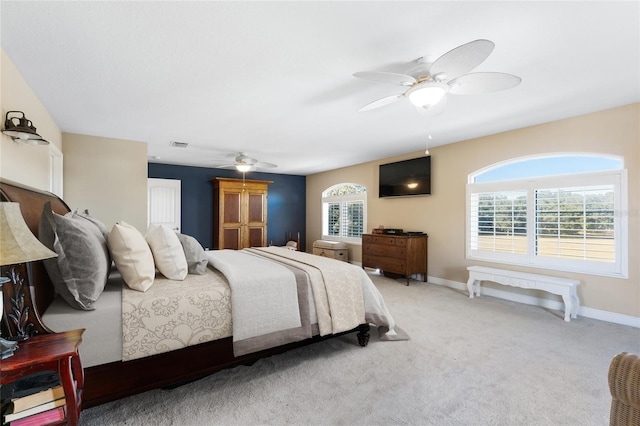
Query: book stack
column 35, row 400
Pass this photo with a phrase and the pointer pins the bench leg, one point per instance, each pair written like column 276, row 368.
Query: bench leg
column 568, row 306
column 473, row 287
column 576, row 305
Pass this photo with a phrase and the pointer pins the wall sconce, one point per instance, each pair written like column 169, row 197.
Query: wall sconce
column 21, row 129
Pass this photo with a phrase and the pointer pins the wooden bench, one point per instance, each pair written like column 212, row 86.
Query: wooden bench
column 565, row 287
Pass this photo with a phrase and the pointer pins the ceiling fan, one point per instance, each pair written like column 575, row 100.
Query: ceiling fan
column 429, row 82
column 244, row 163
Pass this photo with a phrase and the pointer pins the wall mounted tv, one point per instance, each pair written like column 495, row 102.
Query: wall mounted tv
column 405, row 178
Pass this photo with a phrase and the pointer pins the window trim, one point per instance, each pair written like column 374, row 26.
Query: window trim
column 618, row 269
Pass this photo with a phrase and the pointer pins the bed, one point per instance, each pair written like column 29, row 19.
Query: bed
column 117, row 365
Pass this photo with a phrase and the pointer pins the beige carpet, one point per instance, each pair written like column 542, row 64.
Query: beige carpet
column 484, row 361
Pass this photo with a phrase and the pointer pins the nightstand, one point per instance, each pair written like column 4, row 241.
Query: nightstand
column 50, row 352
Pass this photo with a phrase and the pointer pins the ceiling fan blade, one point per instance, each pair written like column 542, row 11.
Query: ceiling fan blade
column 482, row 82
column 461, row 60
column 265, row 165
column 381, row 102
column 243, row 158
column 387, row 78
column 226, row 166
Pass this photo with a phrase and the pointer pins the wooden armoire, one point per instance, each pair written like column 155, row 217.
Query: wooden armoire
column 239, row 213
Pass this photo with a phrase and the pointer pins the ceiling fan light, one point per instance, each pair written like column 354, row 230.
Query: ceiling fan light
column 243, row 167
column 427, row 93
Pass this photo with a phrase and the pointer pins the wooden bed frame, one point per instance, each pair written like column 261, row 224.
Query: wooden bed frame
column 119, row 379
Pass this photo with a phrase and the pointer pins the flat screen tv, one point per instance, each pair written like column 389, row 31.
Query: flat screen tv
column 405, row 178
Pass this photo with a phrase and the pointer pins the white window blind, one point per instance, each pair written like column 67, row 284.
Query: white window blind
column 499, row 221
column 352, row 219
column 570, row 222
column 334, row 219
column 576, row 223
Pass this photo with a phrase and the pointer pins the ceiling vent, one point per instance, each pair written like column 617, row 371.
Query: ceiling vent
column 179, row 144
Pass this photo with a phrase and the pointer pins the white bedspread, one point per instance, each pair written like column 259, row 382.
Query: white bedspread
column 175, row 314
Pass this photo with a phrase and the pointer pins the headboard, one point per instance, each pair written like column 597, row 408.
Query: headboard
column 41, row 290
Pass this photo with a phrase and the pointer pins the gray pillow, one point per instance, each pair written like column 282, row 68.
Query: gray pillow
column 80, row 271
column 193, row 251
column 97, row 222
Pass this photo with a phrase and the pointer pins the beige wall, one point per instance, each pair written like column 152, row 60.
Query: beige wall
column 108, row 177
column 442, row 214
column 26, row 164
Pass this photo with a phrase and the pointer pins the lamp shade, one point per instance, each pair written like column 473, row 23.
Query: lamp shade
column 17, row 243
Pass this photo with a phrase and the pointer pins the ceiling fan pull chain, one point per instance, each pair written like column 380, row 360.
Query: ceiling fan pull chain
column 426, row 151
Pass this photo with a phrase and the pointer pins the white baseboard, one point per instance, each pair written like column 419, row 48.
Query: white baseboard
column 584, row 311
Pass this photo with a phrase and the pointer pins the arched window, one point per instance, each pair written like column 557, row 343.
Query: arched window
column 562, row 211
column 344, row 212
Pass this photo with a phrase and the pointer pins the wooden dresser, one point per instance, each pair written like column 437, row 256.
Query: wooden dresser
column 396, row 254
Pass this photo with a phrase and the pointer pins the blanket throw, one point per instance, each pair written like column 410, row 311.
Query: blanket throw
column 334, row 281
column 265, row 306
column 344, row 294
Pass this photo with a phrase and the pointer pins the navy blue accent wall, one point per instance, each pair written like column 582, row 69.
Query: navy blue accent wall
column 286, row 209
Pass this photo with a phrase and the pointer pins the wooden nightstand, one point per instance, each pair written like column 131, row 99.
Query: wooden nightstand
column 50, row 352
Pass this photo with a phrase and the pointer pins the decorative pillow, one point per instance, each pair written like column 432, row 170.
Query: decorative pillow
column 80, row 271
column 167, row 252
column 193, row 251
column 132, row 256
column 97, row 222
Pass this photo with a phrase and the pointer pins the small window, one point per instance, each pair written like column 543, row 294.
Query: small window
column 344, row 212
column 537, row 212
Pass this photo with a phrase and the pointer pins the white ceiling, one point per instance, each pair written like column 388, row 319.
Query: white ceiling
column 274, row 79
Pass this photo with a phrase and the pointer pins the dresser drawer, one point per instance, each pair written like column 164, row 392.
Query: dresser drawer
column 385, row 263
column 383, row 239
column 383, row 250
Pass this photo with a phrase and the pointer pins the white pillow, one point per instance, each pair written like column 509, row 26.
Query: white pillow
column 132, row 256
column 168, row 253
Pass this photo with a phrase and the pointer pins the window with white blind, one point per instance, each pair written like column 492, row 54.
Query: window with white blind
column 499, row 222
column 572, row 222
column 344, row 212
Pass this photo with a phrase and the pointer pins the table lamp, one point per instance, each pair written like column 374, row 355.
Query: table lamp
column 17, row 245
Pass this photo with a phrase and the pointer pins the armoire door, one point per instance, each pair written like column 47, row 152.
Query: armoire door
column 256, row 222
column 231, row 220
